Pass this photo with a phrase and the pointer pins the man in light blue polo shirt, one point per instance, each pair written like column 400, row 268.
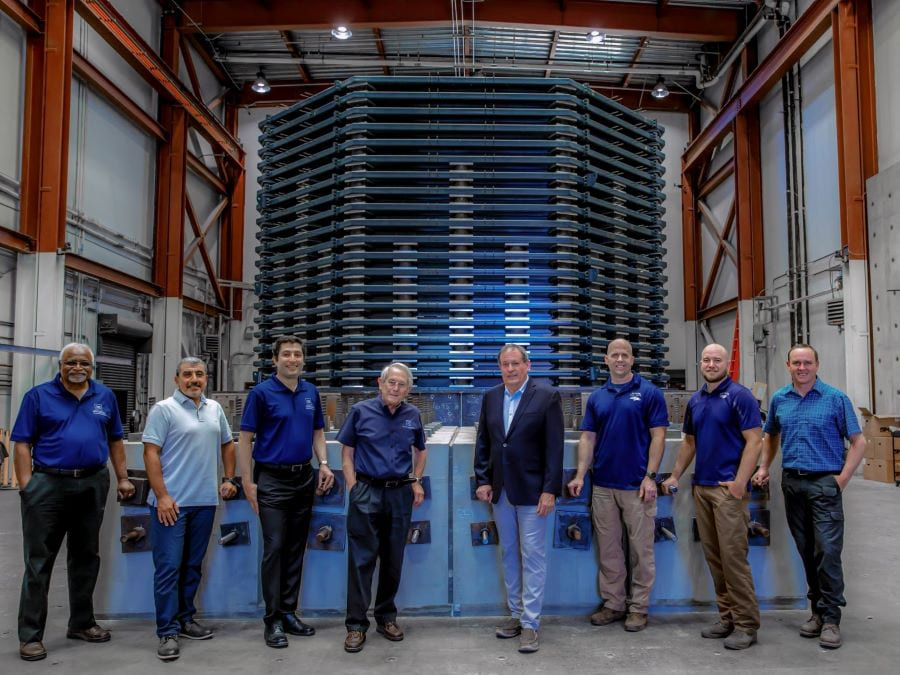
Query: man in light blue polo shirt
column 623, row 436
column 810, row 421
column 182, row 440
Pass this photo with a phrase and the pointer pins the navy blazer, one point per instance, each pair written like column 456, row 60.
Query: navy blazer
column 528, row 459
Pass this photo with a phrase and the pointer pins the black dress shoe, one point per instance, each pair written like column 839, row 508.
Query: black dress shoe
column 194, row 631
column 275, row 636
column 294, row 626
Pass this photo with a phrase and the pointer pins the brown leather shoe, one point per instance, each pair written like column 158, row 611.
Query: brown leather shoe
column 606, row 616
column 32, row 651
column 390, row 630
column 830, row 638
column 354, row 641
column 92, row 634
column 812, row 627
column 509, row 628
column 635, row 621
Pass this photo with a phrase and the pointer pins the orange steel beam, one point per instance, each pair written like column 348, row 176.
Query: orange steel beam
column 721, row 174
column 103, row 18
column 23, row 15
column 615, row 16
column 808, row 28
column 202, row 307
column 554, row 44
column 100, row 84
column 231, row 234
column 204, row 252
column 191, row 70
column 214, row 66
column 852, row 142
column 196, row 165
column 634, row 60
column 45, row 157
column 15, row 241
column 717, row 258
column 691, row 247
column 379, row 44
column 748, row 196
column 297, row 54
column 111, row 275
column 717, row 310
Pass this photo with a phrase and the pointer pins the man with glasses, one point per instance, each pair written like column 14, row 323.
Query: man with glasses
column 65, row 431
column 182, row 440
column 383, row 458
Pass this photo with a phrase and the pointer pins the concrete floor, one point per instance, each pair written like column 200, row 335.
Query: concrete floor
column 871, row 628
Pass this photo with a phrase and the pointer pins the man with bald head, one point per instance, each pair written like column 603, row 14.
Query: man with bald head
column 723, row 428
column 64, row 434
column 623, row 436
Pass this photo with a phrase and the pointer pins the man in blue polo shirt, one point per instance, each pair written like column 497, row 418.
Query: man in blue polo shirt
column 810, row 421
column 182, row 440
column 379, row 438
column 64, row 433
column 723, row 427
column 285, row 413
column 623, row 437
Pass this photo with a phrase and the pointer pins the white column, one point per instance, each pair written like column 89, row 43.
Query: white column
column 167, row 320
column 856, row 334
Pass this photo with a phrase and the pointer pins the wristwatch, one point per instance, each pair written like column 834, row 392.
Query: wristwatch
column 651, row 475
column 229, row 479
column 323, row 462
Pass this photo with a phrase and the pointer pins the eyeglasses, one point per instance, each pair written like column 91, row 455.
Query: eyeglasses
column 74, row 364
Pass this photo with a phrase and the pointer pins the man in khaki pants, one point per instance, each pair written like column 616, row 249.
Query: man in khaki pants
column 623, row 436
column 722, row 426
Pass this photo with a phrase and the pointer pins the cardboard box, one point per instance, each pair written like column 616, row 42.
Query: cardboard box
column 878, row 469
column 879, row 447
column 878, row 425
column 896, row 467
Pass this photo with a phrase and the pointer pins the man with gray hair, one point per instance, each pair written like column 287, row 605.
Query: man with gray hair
column 65, row 432
column 518, row 468
column 383, row 458
column 182, row 440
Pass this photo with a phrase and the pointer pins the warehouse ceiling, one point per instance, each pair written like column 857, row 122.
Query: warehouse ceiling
column 613, row 45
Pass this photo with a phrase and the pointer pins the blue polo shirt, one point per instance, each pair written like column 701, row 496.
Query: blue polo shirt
column 717, row 419
column 622, row 415
column 812, row 427
column 190, row 440
column 383, row 442
column 65, row 432
column 283, row 421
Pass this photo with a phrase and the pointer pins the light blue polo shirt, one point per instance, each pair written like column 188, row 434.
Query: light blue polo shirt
column 191, row 439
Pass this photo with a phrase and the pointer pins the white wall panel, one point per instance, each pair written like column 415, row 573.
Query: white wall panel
column 886, row 35
column 12, row 84
column 7, row 315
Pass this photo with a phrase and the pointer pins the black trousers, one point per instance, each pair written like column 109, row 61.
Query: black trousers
column 377, row 523
column 54, row 507
column 815, row 515
column 285, row 507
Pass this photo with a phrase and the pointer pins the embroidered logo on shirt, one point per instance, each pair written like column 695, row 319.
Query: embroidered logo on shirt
column 408, row 424
column 724, row 394
column 100, row 410
column 310, row 405
column 636, row 396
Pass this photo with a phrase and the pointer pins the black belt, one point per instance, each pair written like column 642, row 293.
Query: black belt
column 289, row 468
column 69, row 473
column 385, row 482
column 810, row 475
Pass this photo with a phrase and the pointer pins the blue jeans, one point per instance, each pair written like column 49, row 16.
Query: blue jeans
column 178, row 552
column 523, row 544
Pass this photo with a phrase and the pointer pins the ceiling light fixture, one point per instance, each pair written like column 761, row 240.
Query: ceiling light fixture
column 341, row 33
column 595, row 37
column 660, row 90
column 261, row 84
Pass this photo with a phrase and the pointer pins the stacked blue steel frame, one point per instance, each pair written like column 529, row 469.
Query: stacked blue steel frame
column 432, row 220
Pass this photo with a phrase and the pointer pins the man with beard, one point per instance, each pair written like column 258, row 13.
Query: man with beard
column 623, row 437
column 383, row 458
column 182, row 438
column 722, row 426
column 810, row 421
column 285, row 414
column 65, row 432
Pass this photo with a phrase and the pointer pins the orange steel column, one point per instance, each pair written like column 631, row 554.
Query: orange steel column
column 231, row 262
column 171, row 175
column 854, row 88
column 45, row 157
column 690, row 227
column 748, row 200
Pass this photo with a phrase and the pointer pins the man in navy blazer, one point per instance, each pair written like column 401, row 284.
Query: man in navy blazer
column 518, row 468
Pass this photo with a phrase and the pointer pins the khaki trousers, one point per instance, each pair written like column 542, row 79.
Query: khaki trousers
column 722, row 523
column 610, row 508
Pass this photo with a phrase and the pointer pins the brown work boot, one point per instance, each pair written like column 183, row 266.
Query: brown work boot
column 606, row 616
column 635, row 621
column 830, row 638
column 509, row 628
column 391, row 631
column 740, row 640
column 92, row 634
column 528, row 643
column 354, row 641
column 32, row 651
column 812, row 627
column 720, row 629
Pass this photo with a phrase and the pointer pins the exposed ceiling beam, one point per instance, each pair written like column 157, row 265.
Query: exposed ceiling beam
column 296, row 53
column 379, row 44
column 615, row 16
column 552, row 53
column 15, row 240
column 23, row 15
column 808, row 28
column 634, row 61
